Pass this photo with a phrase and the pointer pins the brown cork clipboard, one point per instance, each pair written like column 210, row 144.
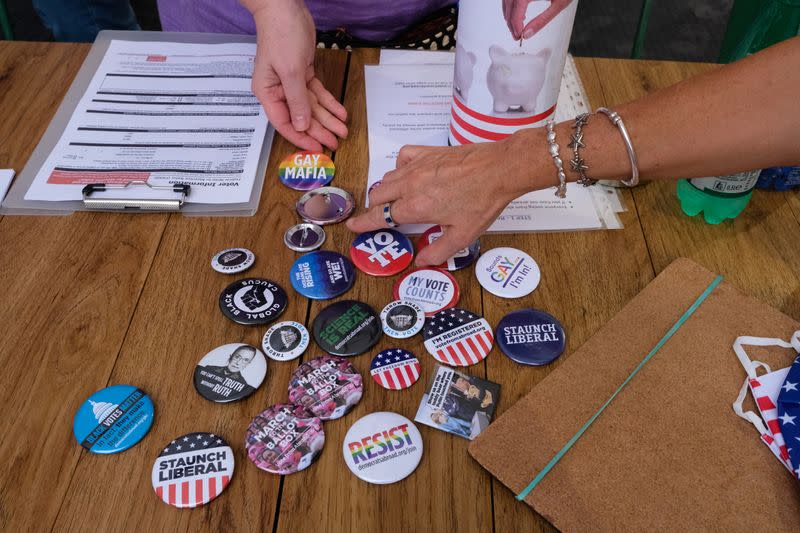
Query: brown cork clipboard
column 669, row 453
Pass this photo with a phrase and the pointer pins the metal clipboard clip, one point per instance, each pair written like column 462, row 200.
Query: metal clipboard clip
column 143, row 204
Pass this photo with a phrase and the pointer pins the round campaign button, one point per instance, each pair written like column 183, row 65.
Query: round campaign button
column 402, row 319
column 347, row 328
column 395, row 369
column 304, row 237
column 113, row 419
column 192, row 470
column 253, row 301
column 531, row 337
column 457, row 337
column 430, row 288
column 303, row 171
column 284, row 439
column 230, row 372
column 461, row 259
column 507, row 272
column 322, row 275
column 383, row 252
column 233, row 260
column 326, row 205
column 382, row 448
column 327, row 386
column 285, row 341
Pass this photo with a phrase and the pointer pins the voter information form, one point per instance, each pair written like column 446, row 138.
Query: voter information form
column 165, row 113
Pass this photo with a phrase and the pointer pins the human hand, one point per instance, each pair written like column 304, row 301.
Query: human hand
column 296, row 102
column 514, row 13
column 461, row 188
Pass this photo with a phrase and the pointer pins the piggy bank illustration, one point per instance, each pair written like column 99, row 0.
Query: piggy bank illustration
column 515, row 80
column 462, row 79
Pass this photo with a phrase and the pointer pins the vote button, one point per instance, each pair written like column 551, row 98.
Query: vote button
column 383, row 252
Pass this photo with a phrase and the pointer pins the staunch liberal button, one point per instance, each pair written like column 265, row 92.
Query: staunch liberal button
column 192, row 470
column 347, row 328
column 303, row 171
column 384, row 252
column 233, row 260
column 531, row 337
column 327, row 386
column 253, row 301
column 285, row 341
column 382, row 448
column 230, row 372
column 284, row 439
column 322, row 275
column 461, row 259
column 113, row 419
column 430, row 288
column 457, row 337
column 395, row 369
column 402, row 319
column 507, row 272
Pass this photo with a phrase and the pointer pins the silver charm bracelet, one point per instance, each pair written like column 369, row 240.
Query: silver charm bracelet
column 577, row 164
column 615, row 119
column 561, row 188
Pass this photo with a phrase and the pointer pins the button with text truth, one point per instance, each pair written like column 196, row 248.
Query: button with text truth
column 382, row 448
column 230, row 372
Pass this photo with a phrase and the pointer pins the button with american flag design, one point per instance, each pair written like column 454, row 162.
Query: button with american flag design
column 395, row 369
column 457, row 337
column 192, row 470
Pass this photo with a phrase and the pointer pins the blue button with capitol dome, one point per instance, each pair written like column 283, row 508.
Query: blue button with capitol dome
column 113, row 419
column 531, row 337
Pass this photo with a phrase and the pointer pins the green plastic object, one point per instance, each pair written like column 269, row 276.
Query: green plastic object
column 757, row 24
column 718, row 198
column 641, row 30
column 5, row 24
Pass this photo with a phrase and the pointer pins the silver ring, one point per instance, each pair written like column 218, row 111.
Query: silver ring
column 387, row 215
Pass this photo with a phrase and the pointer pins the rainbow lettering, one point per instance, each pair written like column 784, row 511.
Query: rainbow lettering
column 375, row 445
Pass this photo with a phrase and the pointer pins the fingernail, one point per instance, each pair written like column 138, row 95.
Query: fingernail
column 300, row 123
column 528, row 33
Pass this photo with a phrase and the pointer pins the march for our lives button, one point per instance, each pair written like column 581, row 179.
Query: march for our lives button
column 304, row 171
column 531, row 337
column 113, row 419
column 507, row 272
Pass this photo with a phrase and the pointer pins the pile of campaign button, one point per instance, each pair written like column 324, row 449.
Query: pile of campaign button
column 328, row 386
column 461, row 259
column 382, row 448
column 402, row 319
column 192, row 470
column 303, row 171
column 284, row 439
column 430, row 288
column 304, row 237
column 322, row 275
column 285, row 341
column 507, row 272
column 253, row 301
column 457, row 337
column 395, row 369
column 113, row 419
column 347, row 328
column 233, row 260
column 230, row 372
column 531, row 337
column 326, row 205
column 383, row 252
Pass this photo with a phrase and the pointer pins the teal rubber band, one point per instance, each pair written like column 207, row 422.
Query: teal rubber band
column 563, row 451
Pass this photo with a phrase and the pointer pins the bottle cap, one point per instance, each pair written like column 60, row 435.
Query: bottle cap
column 327, row 386
column 230, row 372
column 253, row 301
column 457, row 337
column 192, row 470
column 326, row 205
column 531, row 337
column 284, row 439
column 347, row 328
column 303, row 171
column 384, row 252
column 285, row 341
column 507, row 272
column 402, row 319
column 113, row 419
column 304, row 237
column 382, row 448
column 395, row 369
column 430, row 288
column 461, row 259
column 322, row 275
column 233, row 260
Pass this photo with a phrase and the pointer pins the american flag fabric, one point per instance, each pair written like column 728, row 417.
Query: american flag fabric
column 457, row 337
column 193, row 470
column 789, row 414
column 765, row 393
column 395, row 369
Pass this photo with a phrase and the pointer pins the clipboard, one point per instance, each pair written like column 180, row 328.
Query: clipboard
column 15, row 202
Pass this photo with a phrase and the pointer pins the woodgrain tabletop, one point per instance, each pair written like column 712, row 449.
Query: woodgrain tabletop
column 94, row 299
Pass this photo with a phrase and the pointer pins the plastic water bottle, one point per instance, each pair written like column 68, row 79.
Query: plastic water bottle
column 718, row 198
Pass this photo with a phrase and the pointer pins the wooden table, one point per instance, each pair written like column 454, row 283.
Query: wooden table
column 92, row 299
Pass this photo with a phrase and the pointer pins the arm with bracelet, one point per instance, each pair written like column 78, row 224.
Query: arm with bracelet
column 740, row 117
